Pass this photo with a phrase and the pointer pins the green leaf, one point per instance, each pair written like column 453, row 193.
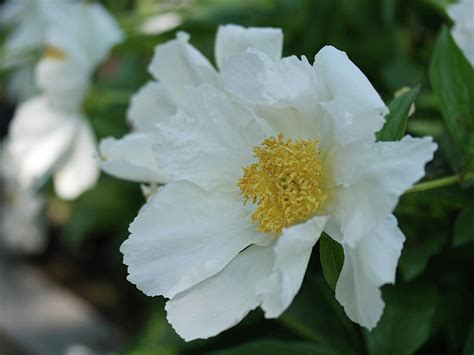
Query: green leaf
column 464, row 227
column 274, row 347
column 332, row 258
column 452, row 78
column 406, row 322
column 316, row 315
column 469, row 347
column 415, row 256
column 396, row 121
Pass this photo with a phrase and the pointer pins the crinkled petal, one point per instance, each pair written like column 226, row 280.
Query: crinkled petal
column 233, row 39
column 292, row 251
column 39, row 138
column 185, row 235
column 177, row 64
column 211, row 142
column 285, row 93
column 220, row 302
column 369, row 179
column 131, row 158
column 256, row 78
column 149, row 106
column 368, row 266
column 79, row 172
column 356, row 109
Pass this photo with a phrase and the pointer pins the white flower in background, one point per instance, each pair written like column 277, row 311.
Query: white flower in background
column 44, row 141
column 161, row 23
column 49, row 134
column 77, row 40
column 259, row 160
column 21, row 227
column 26, row 22
column 462, row 13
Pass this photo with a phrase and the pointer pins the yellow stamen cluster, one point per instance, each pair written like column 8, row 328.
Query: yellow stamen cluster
column 51, row 52
column 285, row 183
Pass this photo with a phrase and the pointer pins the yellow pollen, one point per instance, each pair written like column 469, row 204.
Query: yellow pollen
column 51, row 52
column 285, row 183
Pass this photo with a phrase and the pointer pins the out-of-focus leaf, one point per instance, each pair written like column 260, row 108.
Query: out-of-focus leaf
column 415, row 256
column 452, row 78
column 108, row 208
column 469, row 347
column 464, row 227
column 316, row 315
column 406, row 322
column 273, row 347
column 331, row 255
column 158, row 337
column 396, row 121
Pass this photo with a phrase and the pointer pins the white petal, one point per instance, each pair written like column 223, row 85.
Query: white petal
column 79, row 172
column 285, row 93
column 88, row 36
column 356, row 109
column 63, row 82
column 211, row 142
column 292, row 250
column 368, row 266
column 177, row 64
column 232, row 40
column 131, row 158
column 461, row 13
column 21, row 228
column 220, row 302
column 256, row 78
column 185, row 235
column 370, row 180
column 39, row 138
column 149, row 106
column 104, row 31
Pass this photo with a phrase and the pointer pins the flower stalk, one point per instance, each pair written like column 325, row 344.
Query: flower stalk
column 441, row 182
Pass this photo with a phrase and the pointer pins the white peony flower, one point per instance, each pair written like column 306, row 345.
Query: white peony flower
column 21, row 227
column 259, row 160
column 462, row 13
column 44, row 140
column 49, row 134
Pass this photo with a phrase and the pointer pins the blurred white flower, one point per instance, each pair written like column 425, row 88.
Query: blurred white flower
column 49, row 134
column 21, row 227
column 259, row 160
column 26, row 22
column 161, row 23
column 77, row 40
column 462, row 13
column 44, row 140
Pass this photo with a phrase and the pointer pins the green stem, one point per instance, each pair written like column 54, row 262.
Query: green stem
column 441, row 182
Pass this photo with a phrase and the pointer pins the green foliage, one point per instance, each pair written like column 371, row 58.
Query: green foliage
column 406, row 322
column 464, row 227
column 396, row 44
column 331, row 255
column 316, row 315
column 396, row 121
column 452, row 78
column 272, row 347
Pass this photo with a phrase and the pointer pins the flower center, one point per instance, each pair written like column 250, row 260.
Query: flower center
column 285, row 183
column 51, row 52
